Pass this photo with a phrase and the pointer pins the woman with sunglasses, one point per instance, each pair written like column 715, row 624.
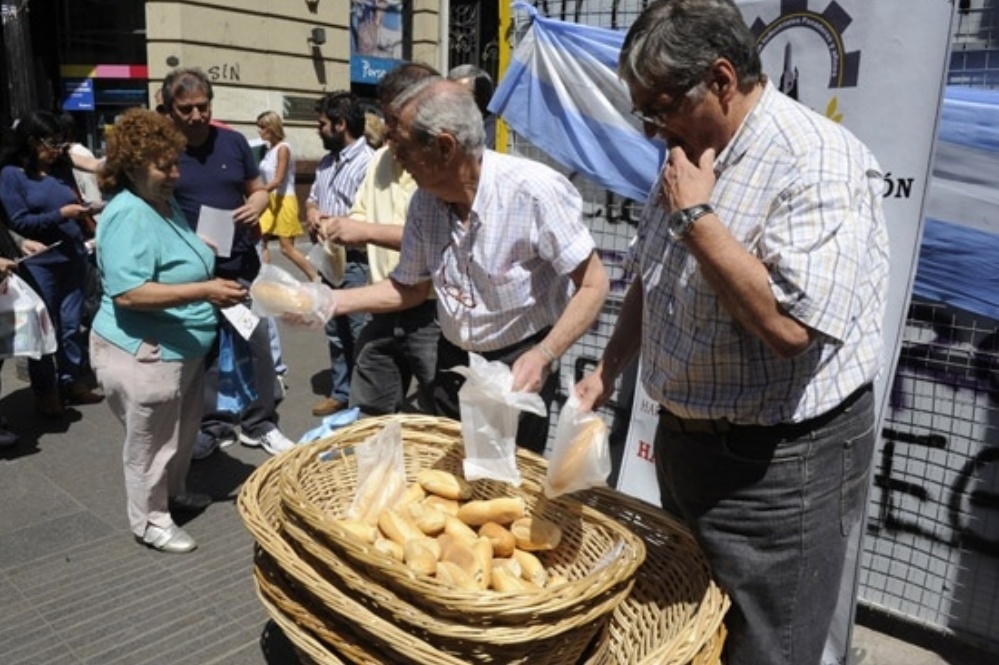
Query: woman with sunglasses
column 39, row 195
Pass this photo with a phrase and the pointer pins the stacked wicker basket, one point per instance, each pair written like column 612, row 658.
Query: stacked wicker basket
column 638, row 589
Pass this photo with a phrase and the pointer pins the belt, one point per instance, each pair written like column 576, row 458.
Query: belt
column 723, row 427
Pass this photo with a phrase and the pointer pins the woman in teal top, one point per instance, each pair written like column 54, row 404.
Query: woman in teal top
column 156, row 322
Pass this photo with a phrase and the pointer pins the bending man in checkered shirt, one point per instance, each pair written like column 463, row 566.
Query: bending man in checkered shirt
column 501, row 242
column 761, row 270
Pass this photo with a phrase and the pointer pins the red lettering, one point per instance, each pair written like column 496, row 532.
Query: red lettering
column 645, row 451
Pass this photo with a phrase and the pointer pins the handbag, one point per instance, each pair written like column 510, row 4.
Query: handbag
column 25, row 326
column 236, row 386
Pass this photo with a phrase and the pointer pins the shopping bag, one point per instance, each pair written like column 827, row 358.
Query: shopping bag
column 490, row 412
column 236, row 386
column 25, row 326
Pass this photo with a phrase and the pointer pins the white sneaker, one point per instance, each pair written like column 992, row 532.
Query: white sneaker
column 274, row 442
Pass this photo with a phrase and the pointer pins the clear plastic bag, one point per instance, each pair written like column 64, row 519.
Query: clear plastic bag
column 581, row 452
column 381, row 474
column 489, row 417
column 275, row 292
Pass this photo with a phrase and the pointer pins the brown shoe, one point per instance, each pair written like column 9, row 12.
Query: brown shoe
column 81, row 393
column 49, row 406
column 328, row 406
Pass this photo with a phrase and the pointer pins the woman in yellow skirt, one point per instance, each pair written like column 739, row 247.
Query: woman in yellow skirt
column 277, row 169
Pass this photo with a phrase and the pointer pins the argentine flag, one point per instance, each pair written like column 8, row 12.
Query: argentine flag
column 562, row 93
column 961, row 235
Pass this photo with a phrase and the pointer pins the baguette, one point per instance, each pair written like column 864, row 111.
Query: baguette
column 502, row 540
column 454, row 576
column 568, row 467
column 390, row 548
column 445, row 484
column 413, row 494
column 531, row 568
column 506, row 582
column 534, row 534
column 446, row 506
column 398, row 526
column 462, row 554
column 282, row 298
column 419, row 557
column 367, row 533
column 455, row 527
column 502, row 511
column 483, row 551
column 429, row 520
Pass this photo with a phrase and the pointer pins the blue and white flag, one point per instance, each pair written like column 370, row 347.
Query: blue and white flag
column 961, row 237
column 562, row 93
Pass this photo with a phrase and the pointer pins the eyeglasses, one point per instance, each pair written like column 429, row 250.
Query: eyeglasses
column 661, row 117
column 55, row 145
column 455, row 292
column 188, row 109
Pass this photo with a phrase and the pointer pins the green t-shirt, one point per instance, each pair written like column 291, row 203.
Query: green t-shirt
column 136, row 245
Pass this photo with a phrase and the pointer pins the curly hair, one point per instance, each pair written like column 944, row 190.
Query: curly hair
column 139, row 137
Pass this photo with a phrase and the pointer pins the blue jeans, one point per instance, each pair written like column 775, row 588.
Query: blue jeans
column 393, row 349
column 61, row 286
column 342, row 333
column 772, row 508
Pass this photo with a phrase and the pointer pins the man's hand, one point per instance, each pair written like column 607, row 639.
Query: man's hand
column 246, row 214
column 343, row 230
column 592, row 392
column 530, row 371
column 686, row 184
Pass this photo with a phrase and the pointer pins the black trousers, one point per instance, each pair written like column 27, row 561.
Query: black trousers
column 532, row 430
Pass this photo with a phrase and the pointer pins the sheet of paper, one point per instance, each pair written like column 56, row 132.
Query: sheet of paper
column 216, row 227
column 242, row 319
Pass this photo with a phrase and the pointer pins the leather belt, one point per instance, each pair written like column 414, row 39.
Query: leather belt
column 781, row 430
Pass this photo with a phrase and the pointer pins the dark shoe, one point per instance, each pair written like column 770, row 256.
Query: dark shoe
column 81, row 393
column 190, row 502
column 7, row 438
column 328, row 407
column 49, row 406
column 173, row 539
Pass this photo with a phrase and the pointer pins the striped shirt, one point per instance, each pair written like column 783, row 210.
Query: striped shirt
column 803, row 195
column 338, row 177
column 506, row 276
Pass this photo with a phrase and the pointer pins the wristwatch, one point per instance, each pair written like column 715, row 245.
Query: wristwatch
column 681, row 221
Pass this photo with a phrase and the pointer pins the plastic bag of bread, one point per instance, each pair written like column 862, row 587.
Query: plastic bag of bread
column 581, row 452
column 276, row 293
column 329, row 259
column 489, row 415
column 381, row 474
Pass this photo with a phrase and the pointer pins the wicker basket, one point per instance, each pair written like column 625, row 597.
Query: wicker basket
column 260, row 508
column 597, row 554
column 390, row 630
column 675, row 611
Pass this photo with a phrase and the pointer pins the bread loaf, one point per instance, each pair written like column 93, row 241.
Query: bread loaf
column 419, row 557
column 390, row 548
column 454, row 576
column 445, row 484
column 504, row 581
column 446, row 506
column 534, row 533
column 367, row 533
column 502, row 540
column 430, row 520
column 455, row 527
column 398, row 526
column 570, row 464
column 502, row 511
column 531, row 568
column 282, row 298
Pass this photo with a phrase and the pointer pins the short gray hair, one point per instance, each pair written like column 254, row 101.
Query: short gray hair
column 443, row 106
column 673, row 44
column 185, row 80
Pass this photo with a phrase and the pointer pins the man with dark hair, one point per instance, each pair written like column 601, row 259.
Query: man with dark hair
column 217, row 169
column 394, row 347
column 338, row 175
column 761, row 273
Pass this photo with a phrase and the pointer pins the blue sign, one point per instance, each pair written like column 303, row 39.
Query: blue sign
column 369, row 69
column 78, row 95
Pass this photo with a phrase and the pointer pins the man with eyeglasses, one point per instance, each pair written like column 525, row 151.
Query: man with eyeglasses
column 761, row 270
column 217, row 169
column 499, row 239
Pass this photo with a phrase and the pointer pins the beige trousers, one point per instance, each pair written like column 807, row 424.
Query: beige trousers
column 159, row 403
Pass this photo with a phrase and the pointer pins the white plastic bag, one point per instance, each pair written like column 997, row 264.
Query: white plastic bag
column 489, row 415
column 330, row 260
column 25, row 327
column 276, row 293
column 381, row 474
column 581, row 453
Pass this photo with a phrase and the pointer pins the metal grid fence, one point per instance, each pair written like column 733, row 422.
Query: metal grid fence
column 931, row 553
